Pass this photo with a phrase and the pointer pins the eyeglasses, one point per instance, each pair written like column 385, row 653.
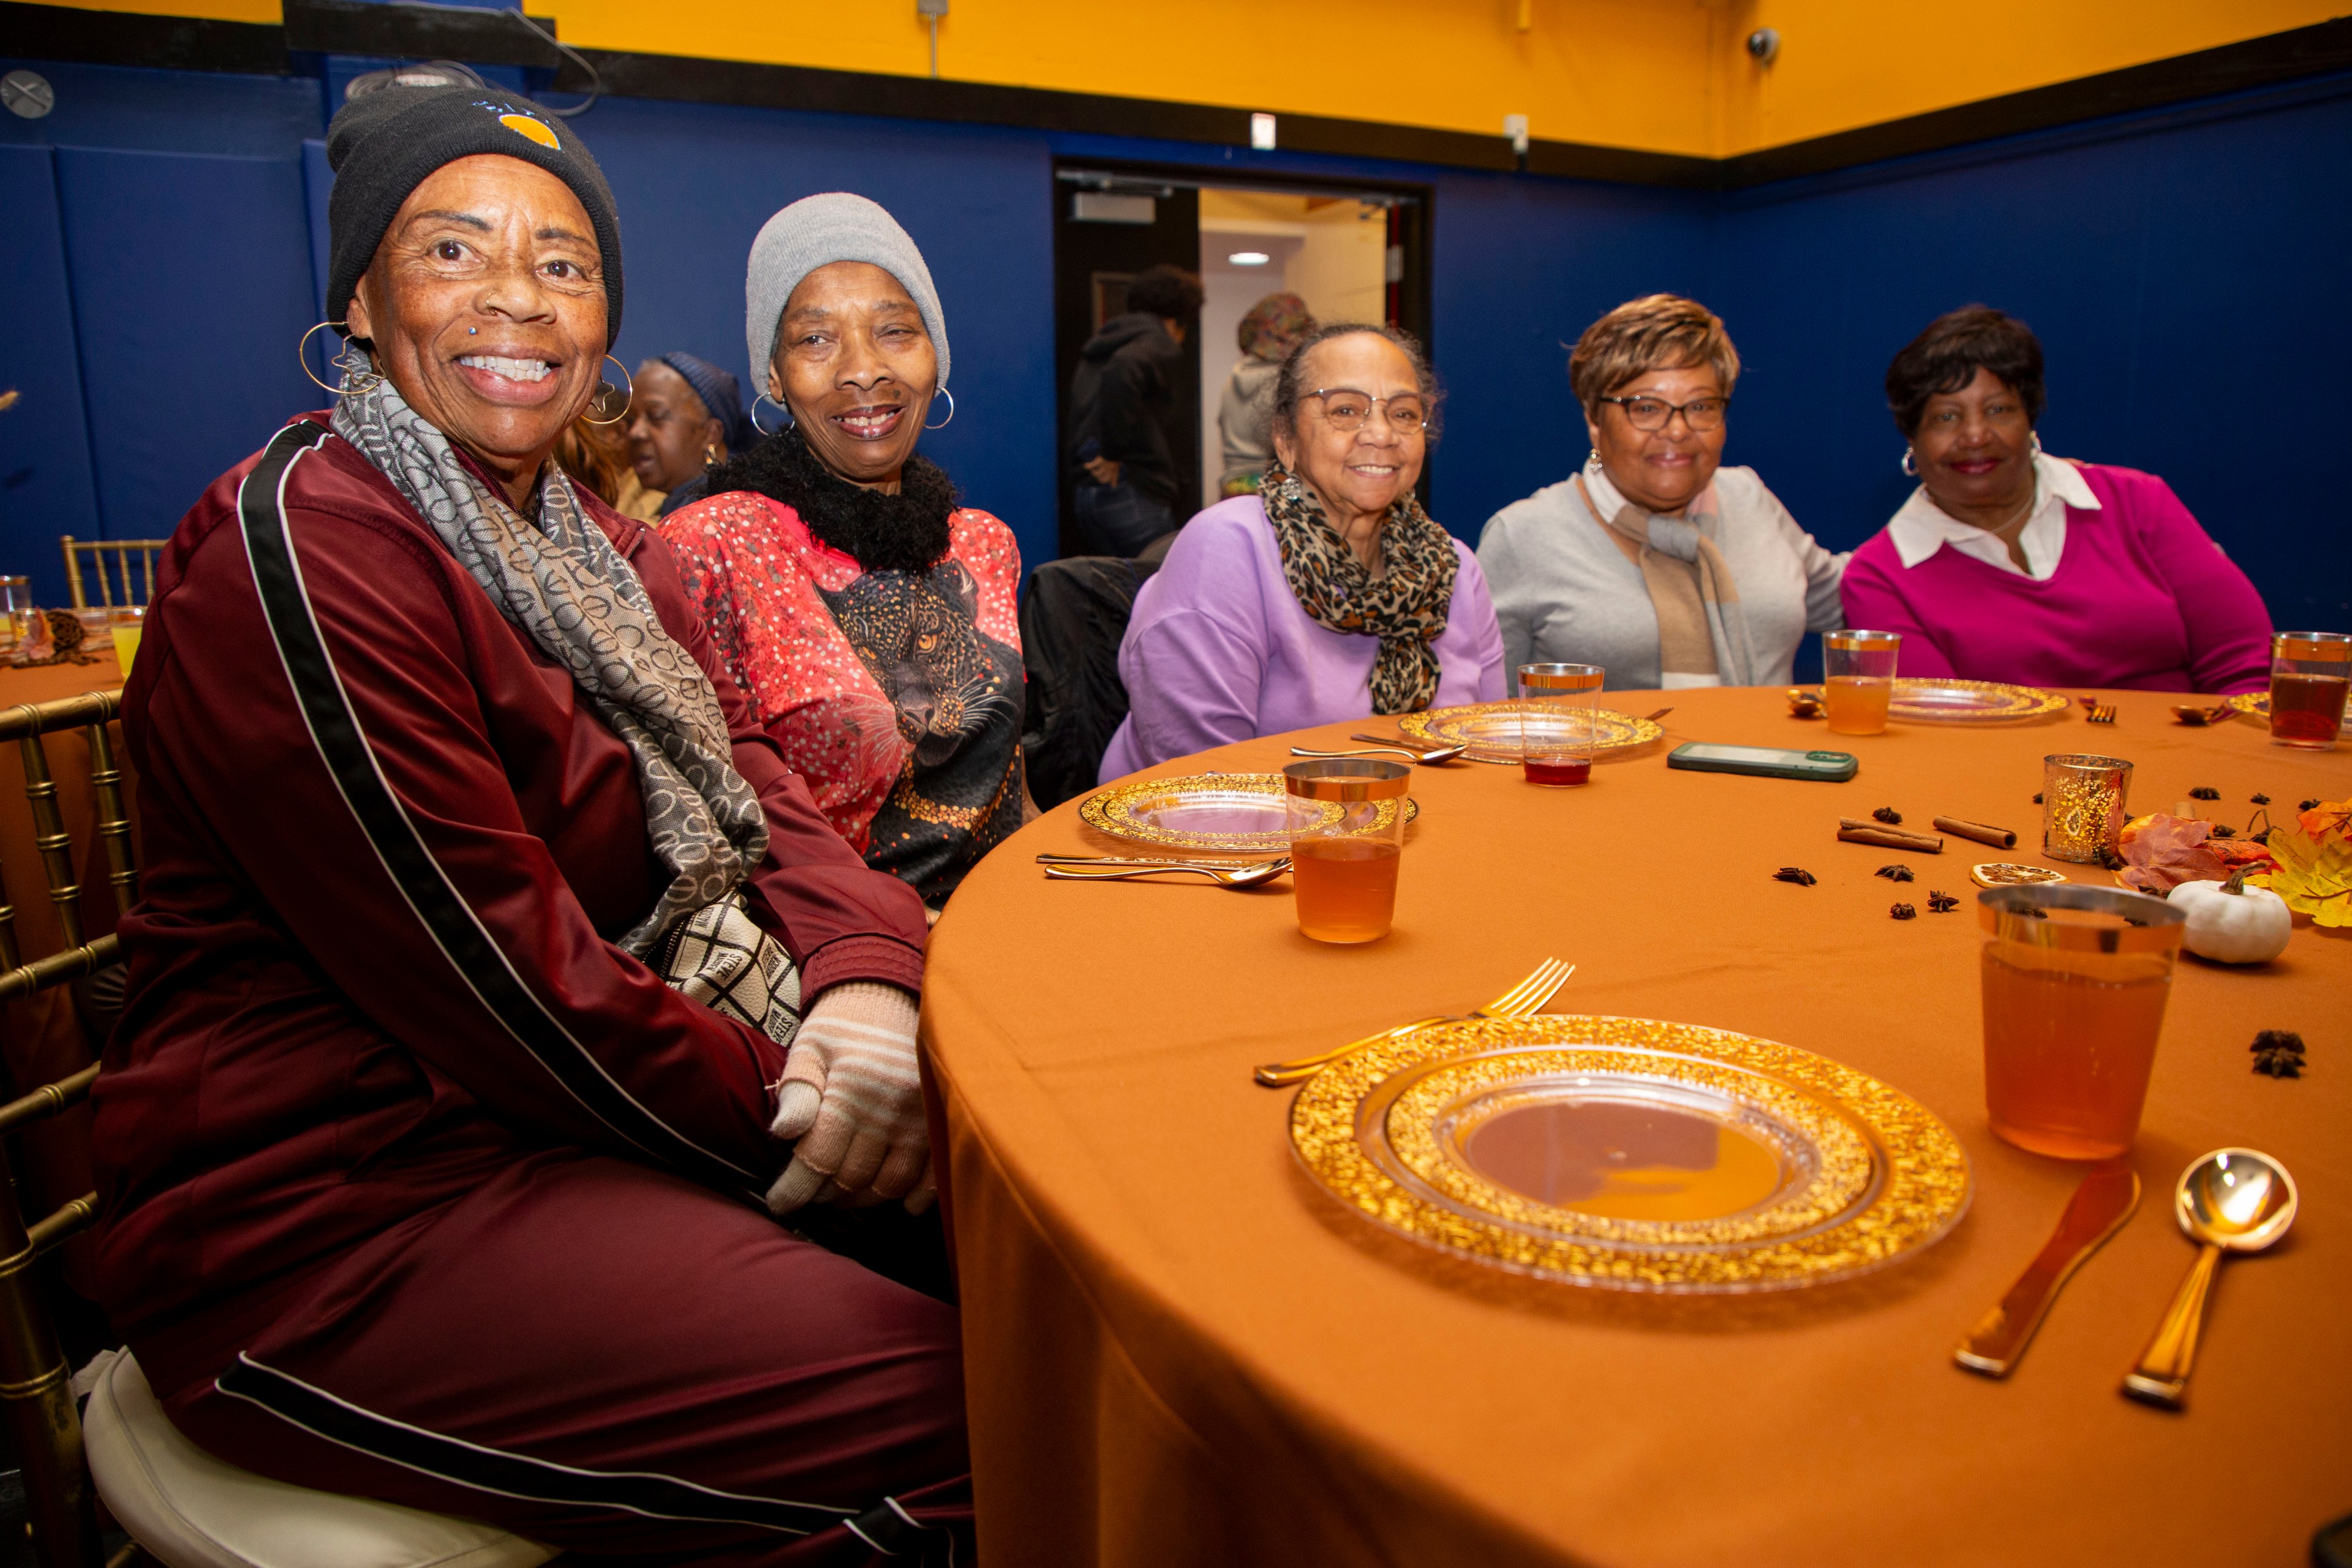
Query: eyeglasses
column 1345, row 408
column 1651, row 413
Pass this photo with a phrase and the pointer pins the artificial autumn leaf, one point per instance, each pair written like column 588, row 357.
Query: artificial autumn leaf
column 2166, row 851
column 2328, row 817
column 2315, row 879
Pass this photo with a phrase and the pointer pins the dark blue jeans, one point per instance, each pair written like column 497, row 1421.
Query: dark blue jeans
column 1119, row 520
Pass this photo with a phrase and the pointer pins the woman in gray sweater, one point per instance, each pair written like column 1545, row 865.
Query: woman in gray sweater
column 1655, row 562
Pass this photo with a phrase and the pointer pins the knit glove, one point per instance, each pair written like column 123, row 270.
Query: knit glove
column 851, row 1100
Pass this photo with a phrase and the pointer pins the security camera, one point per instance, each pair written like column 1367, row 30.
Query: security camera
column 1764, row 44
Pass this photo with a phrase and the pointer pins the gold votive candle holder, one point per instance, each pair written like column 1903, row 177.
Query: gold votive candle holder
column 2082, row 800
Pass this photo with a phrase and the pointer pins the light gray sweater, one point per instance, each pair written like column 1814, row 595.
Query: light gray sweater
column 1565, row 593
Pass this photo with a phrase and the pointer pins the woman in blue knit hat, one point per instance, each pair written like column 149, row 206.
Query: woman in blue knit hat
column 685, row 416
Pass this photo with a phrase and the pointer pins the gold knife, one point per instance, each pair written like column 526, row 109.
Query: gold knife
column 2099, row 1209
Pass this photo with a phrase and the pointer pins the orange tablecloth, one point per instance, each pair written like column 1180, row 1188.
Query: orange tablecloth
column 41, row 1039
column 1181, row 1353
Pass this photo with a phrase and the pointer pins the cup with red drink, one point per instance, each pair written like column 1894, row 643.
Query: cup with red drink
column 1558, row 710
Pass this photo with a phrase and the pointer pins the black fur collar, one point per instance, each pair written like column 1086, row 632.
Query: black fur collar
column 905, row 532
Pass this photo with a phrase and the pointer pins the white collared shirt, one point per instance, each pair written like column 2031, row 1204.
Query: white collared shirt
column 1921, row 528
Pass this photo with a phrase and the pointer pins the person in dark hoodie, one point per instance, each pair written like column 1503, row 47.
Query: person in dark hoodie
column 1125, row 439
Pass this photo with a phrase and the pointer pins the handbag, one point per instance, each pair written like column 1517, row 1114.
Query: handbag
column 721, row 959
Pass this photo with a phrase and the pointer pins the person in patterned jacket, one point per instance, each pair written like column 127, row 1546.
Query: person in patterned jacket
column 870, row 620
column 417, row 1181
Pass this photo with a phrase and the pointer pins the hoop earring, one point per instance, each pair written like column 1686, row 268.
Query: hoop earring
column 951, row 418
column 2037, row 443
column 1907, row 466
column 762, row 430
column 604, row 397
column 358, row 369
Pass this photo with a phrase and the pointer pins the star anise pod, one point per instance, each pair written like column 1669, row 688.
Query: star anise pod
column 2109, row 859
column 1903, row 912
column 2037, row 797
column 2223, row 830
column 2308, row 806
column 2262, row 800
column 2278, row 1053
column 2204, row 792
column 1796, row 873
column 1895, row 873
column 1888, row 814
column 1941, row 903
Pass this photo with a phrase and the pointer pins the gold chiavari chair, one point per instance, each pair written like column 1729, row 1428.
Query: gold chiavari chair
column 118, row 552
column 34, row 1389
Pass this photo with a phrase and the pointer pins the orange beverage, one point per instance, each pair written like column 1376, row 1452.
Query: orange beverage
column 1346, row 833
column 2075, row 980
column 1856, row 704
column 1345, row 888
column 1858, row 678
column 2308, row 682
column 2067, row 1058
column 2306, row 710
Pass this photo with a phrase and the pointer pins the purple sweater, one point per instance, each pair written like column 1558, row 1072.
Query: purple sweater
column 2142, row 599
column 1219, row 650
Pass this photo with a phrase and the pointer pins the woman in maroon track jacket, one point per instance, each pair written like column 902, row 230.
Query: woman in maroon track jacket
column 418, row 1181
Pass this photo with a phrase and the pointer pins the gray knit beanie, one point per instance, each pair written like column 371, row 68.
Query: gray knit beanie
column 817, row 231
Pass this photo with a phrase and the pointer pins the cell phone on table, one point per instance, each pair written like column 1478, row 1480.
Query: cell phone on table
column 1764, row 761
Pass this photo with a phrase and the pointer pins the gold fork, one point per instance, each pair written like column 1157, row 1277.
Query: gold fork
column 2099, row 712
column 1523, row 1000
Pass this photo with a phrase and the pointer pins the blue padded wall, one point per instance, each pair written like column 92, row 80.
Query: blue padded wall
column 44, row 474
column 2186, row 273
column 2185, row 270
column 187, row 348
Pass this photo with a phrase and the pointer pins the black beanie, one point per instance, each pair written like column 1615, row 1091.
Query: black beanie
column 384, row 145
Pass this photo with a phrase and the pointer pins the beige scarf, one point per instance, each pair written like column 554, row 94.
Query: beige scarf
column 1702, row 628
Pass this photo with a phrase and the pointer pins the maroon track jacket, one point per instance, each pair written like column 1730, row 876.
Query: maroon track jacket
column 388, row 845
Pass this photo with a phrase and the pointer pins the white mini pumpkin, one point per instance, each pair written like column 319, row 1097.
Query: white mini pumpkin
column 2232, row 923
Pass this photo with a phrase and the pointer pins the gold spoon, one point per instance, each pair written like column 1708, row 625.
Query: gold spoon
column 2233, row 1200
column 1224, row 877
column 1428, row 759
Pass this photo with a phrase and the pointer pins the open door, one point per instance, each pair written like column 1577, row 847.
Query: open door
column 1350, row 253
column 1106, row 232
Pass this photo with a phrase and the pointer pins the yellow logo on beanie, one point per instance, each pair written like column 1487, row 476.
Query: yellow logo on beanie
column 525, row 126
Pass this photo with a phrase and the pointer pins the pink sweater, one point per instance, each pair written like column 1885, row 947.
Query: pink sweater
column 2143, row 599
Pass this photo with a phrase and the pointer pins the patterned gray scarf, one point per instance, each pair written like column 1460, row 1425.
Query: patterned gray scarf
column 564, row 586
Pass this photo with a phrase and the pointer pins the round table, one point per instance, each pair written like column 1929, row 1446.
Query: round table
column 1180, row 1353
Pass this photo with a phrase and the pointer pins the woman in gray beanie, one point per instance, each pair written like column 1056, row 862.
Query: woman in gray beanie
column 869, row 618
column 439, row 784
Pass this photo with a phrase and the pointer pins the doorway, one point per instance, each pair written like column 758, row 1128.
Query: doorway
column 1349, row 252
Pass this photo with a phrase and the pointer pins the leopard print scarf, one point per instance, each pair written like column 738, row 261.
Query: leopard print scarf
column 1405, row 606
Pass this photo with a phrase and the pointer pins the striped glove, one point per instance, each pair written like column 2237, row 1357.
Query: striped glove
column 852, row 1101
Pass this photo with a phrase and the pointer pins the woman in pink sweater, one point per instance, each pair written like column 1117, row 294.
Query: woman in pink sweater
column 2009, row 564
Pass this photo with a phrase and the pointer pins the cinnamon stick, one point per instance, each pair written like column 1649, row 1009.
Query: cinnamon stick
column 1854, row 832
column 1999, row 837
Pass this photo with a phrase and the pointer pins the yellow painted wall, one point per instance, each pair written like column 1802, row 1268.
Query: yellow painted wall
column 1667, row 76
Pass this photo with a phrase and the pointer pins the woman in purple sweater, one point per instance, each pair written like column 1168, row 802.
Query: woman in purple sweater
column 1329, row 594
column 2009, row 564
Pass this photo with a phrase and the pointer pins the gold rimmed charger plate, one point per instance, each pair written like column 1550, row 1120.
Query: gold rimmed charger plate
column 1222, row 811
column 2257, row 705
column 1492, row 730
column 1632, row 1153
column 1938, row 700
